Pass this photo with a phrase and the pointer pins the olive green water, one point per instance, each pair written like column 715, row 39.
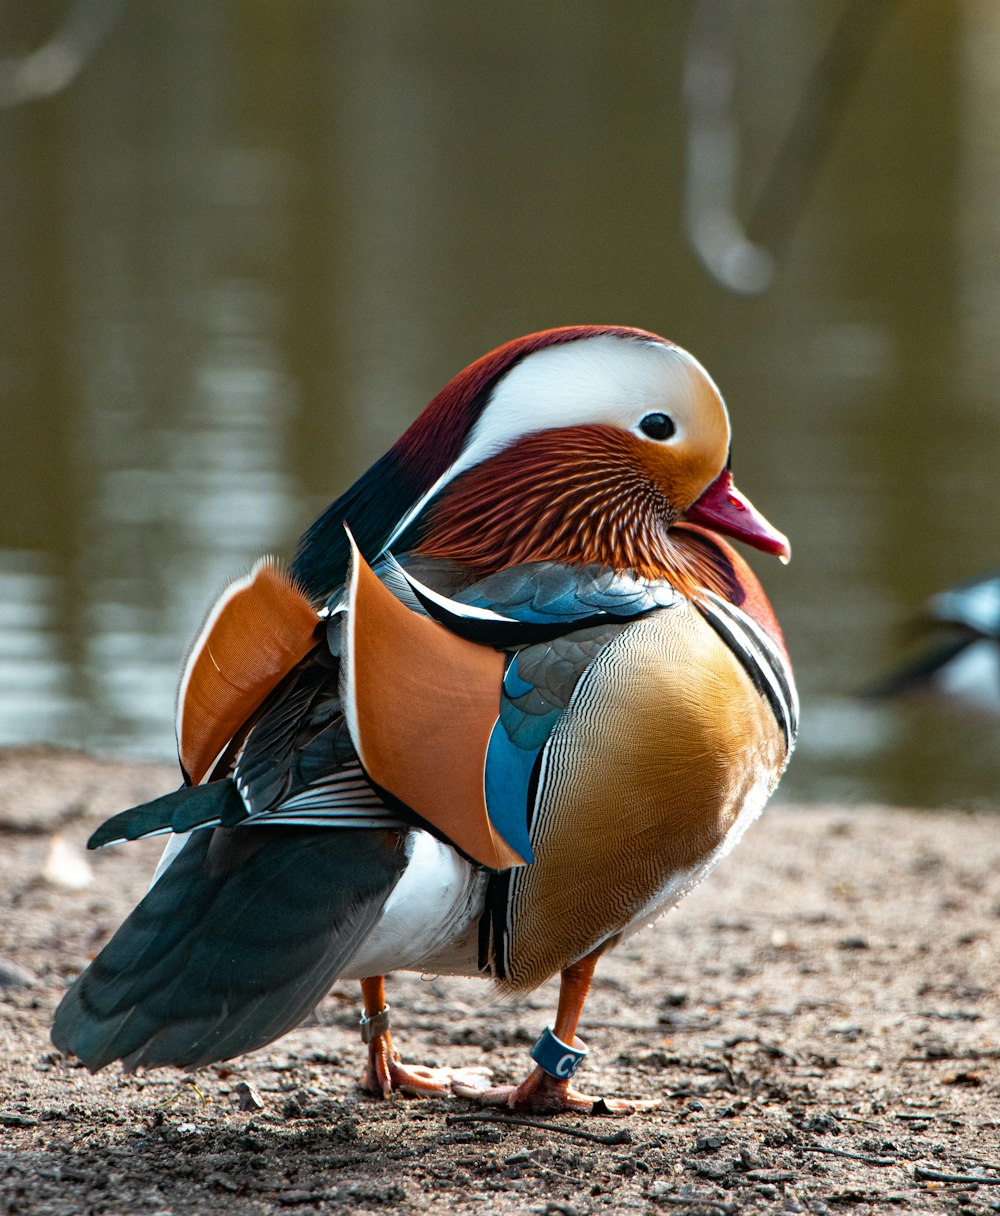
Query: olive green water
column 248, row 241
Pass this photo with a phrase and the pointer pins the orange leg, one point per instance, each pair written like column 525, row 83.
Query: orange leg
column 541, row 1093
column 385, row 1073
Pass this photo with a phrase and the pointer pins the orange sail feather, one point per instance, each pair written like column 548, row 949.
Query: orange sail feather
column 256, row 632
column 421, row 703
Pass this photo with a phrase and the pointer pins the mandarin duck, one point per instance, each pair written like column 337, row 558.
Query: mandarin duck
column 956, row 647
column 513, row 698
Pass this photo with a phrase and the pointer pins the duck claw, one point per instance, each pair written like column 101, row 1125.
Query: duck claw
column 419, row 1081
column 386, row 1074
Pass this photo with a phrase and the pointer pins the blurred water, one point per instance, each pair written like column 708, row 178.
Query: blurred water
column 248, row 242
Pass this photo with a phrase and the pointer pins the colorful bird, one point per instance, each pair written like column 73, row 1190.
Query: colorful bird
column 514, row 698
column 956, row 647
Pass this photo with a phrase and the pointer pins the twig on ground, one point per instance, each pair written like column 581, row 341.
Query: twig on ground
column 923, row 1174
column 843, row 1152
column 980, row 1161
column 623, row 1136
column 185, row 1087
column 718, row 1205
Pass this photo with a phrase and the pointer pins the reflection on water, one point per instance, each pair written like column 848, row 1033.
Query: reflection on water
column 35, row 679
column 245, row 245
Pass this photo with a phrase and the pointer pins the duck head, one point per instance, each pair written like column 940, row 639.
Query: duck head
column 582, row 444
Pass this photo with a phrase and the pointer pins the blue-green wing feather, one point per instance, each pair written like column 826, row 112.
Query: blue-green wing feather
column 546, row 593
column 555, row 619
column 537, row 687
column 508, row 780
column 525, row 604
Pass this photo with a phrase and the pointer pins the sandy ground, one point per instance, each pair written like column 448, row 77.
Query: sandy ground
column 819, row 1022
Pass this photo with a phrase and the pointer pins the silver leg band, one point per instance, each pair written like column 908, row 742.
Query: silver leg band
column 372, row 1027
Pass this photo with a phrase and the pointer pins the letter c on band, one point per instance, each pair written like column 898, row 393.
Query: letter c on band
column 558, row 1059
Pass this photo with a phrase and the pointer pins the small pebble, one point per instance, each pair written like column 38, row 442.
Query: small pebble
column 66, row 865
column 247, row 1097
column 710, row 1144
column 13, row 976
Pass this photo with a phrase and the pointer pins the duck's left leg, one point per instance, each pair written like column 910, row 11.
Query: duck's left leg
column 385, row 1073
column 558, row 1054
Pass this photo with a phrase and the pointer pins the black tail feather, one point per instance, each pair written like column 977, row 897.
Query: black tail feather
column 234, row 945
column 189, row 807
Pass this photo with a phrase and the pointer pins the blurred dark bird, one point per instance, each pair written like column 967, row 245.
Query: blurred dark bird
column 955, row 648
column 514, row 698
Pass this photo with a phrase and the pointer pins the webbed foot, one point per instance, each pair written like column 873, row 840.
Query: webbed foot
column 541, row 1094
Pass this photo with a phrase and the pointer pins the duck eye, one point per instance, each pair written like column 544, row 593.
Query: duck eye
column 657, row 426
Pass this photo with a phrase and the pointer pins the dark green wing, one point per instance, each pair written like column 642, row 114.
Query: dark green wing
column 234, row 945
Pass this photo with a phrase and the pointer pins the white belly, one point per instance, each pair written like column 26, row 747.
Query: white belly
column 430, row 921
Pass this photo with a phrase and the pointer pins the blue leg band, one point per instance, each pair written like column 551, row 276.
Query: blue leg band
column 555, row 1057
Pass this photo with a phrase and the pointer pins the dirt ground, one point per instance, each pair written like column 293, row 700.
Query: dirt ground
column 819, row 1022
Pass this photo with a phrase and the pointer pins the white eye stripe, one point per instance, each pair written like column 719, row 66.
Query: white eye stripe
column 604, row 380
column 615, row 381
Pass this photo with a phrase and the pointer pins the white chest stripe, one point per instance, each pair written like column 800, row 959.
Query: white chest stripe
column 763, row 661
